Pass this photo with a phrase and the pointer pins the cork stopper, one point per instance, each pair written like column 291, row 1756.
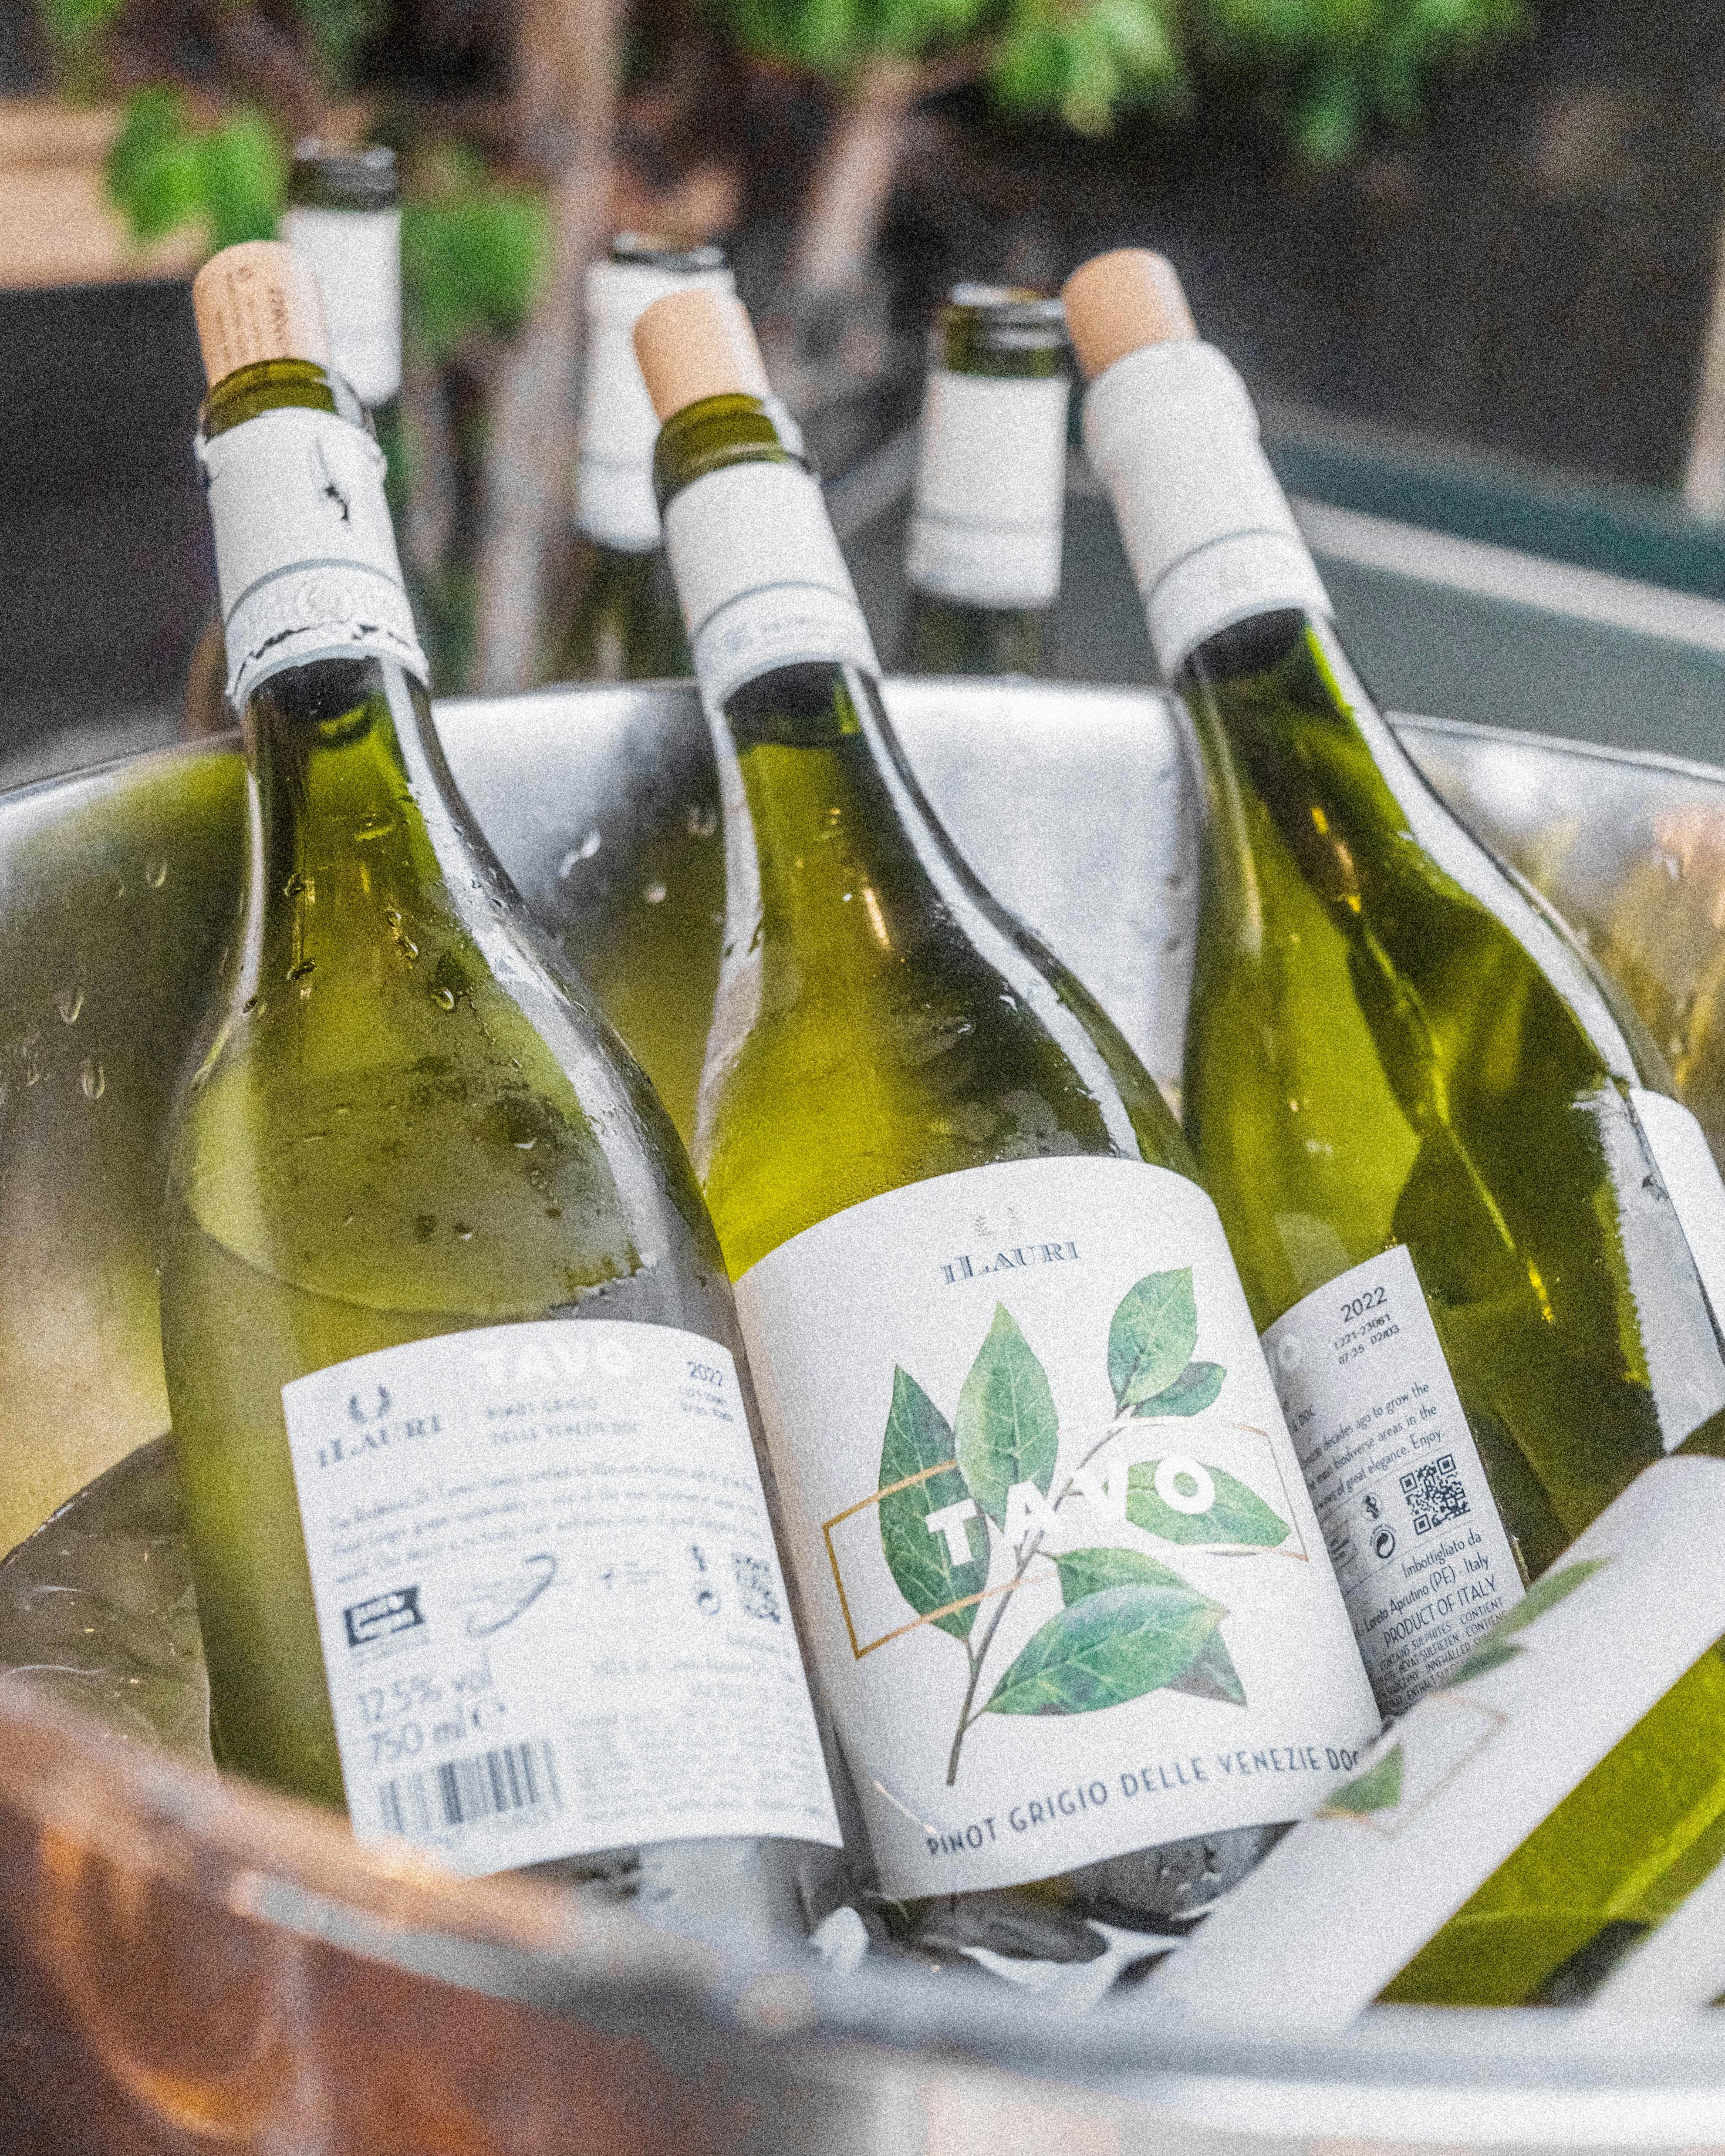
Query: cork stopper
column 698, row 344
column 1118, row 303
column 258, row 300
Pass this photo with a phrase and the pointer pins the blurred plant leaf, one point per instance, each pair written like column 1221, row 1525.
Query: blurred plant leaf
column 73, row 24
column 339, row 30
column 472, row 251
column 165, row 173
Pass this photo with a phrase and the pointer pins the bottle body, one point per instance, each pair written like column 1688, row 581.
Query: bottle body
column 482, row 1547
column 987, row 1308
column 1448, row 1171
column 983, row 549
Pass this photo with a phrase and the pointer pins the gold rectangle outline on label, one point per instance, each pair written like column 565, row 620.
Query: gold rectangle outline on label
column 1301, row 1556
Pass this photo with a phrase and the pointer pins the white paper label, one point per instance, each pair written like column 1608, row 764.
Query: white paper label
column 760, row 578
column 552, row 1613
column 1693, row 1183
column 1172, row 434
column 613, row 490
column 985, row 526
column 1065, row 1584
column 305, row 556
column 1425, row 1563
column 356, row 254
column 1344, row 1903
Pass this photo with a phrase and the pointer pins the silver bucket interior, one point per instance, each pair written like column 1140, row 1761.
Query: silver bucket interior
column 186, row 1962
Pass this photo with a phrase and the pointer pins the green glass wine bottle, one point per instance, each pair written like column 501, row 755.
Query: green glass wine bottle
column 1467, row 1211
column 615, row 617
column 983, row 548
column 481, row 1546
column 1063, row 1579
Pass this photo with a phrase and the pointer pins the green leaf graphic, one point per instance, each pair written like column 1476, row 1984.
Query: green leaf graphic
column 1110, row 1647
column 1239, row 1515
column 1152, row 1337
column 1497, row 1647
column 918, row 1437
column 1212, row 1674
column 1379, row 1790
column 1006, row 1426
column 1190, row 1393
column 1089, row 1571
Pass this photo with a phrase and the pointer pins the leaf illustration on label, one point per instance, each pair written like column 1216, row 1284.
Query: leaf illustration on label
column 1152, row 1337
column 1007, row 1430
column 1112, row 1646
column 1191, row 1392
column 1498, row 1647
column 1183, row 1501
column 1212, row 1674
column 919, row 1437
column 1379, row 1790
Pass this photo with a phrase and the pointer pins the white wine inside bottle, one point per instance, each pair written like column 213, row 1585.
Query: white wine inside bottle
column 1465, row 1208
column 1065, row 1587
column 482, row 1548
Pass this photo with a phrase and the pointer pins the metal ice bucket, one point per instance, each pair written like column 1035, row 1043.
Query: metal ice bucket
column 186, row 1963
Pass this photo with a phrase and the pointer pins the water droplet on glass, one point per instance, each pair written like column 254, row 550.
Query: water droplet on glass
column 154, row 874
column 553, row 1212
column 444, row 998
column 27, row 1060
column 702, row 820
column 347, row 1219
column 374, row 826
column 524, row 1144
column 463, row 1233
column 296, row 886
column 92, row 1079
column 250, row 1005
column 425, row 1226
column 68, row 1002
column 584, row 852
column 654, row 894
column 299, row 972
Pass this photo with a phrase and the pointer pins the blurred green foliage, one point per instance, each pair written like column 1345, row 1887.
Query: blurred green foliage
column 1321, row 71
column 165, row 171
column 472, row 248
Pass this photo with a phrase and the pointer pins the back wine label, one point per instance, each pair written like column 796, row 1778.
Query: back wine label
column 1066, row 1588
column 552, row 1617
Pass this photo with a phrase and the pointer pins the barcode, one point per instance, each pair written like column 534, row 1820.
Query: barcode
column 754, row 1582
column 514, row 1777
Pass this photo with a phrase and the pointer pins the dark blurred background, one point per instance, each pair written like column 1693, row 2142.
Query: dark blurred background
column 1466, row 258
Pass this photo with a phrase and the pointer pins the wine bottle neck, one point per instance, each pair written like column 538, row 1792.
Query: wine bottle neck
column 306, row 554
column 613, row 494
column 759, row 576
column 1212, row 540
column 356, row 253
column 985, row 524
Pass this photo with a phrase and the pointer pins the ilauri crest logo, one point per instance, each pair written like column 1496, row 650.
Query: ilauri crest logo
column 964, row 1510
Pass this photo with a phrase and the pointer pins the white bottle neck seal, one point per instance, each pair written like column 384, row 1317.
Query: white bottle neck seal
column 356, row 253
column 613, row 485
column 1172, row 434
column 760, row 578
column 985, row 526
column 305, row 556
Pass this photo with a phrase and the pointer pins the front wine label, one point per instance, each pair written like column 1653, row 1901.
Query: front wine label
column 1425, row 1563
column 1065, row 1585
column 991, row 482
column 305, row 556
column 552, row 1617
column 1342, row 1905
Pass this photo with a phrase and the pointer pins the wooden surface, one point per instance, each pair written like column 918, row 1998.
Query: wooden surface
column 57, row 226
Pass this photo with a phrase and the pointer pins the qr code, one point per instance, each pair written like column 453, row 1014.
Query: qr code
column 1434, row 1494
column 754, row 1583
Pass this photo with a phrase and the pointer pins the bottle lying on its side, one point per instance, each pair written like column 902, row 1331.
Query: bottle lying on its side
column 983, row 548
column 1466, row 1210
column 1522, row 1835
column 481, row 1545
column 615, row 617
column 1066, row 1591
column 344, row 217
